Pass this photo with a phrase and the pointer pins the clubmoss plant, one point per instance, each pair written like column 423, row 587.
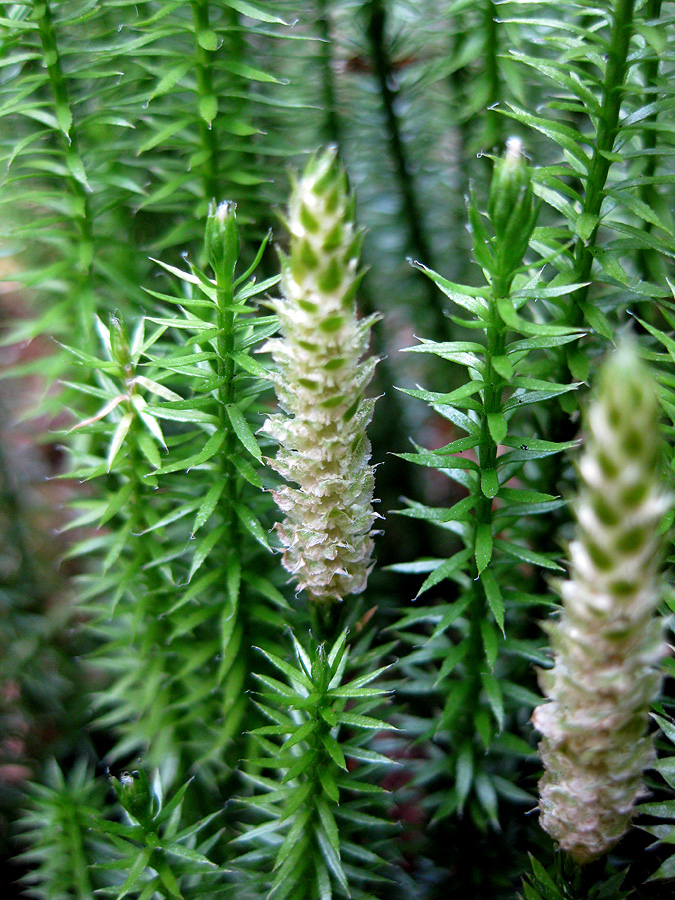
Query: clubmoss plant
column 607, row 642
column 320, row 383
column 178, row 554
column 122, row 120
column 310, row 843
column 55, row 829
column 77, row 849
column 473, row 630
column 604, row 87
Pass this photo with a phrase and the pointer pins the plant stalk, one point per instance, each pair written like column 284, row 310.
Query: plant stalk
column 76, row 178
column 331, row 128
column 206, row 96
column 487, row 458
column 493, row 123
column 420, row 244
column 608, row 126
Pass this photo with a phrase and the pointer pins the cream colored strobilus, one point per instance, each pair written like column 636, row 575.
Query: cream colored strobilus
column 320, row 382
column 608, row 641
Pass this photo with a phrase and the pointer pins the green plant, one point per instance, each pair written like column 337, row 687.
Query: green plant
column 177, row 564
column 473, row 632
column 315, row 813
column 143, row 147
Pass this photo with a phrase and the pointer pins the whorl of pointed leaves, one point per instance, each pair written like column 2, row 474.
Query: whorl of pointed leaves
column 607, row 642
column 310, row 844
column 69, row 831
column 320, row 384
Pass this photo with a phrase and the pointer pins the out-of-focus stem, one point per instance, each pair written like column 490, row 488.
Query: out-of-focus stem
column 420, row 244
column 331, row 128
column 608, row 125
column 205, row 95
column 493, row 124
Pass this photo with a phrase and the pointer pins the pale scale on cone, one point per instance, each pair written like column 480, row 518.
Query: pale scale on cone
column 320, row 383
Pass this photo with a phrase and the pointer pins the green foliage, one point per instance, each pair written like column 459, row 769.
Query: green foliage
column 479, row 627
column 317, row 808
column 568, row 883
column 57, row 828
column 664, row 833
column 174, row 93
column 603, row 116
column 175, row 561
column 126, row 124
column 80, row 852
column 157, row 856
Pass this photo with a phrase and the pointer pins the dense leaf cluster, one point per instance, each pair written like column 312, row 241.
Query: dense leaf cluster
column 143, row 148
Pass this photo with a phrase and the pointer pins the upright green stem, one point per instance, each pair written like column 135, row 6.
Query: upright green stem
column 222, row 251
column 608, row 125
column 493, row 125
column 513, row 217
column 152, row 630
column 80, row 866
column 225, row 369
column 207, row 99
column 77, row 178
column 64, row 118
column 492, row 402
column 487, row 458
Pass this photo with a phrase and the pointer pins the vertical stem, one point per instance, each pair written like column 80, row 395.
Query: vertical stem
column 331, row 129
column 493, row 124
column 561, row 427
column 376, row 28
column 225, row 369
column 487, row 459
column 608, row 126
column 139, row 493
column 206, row 98
column 80, row 867
column 649, row 261
column 64, row 117
column 150, row 629
column 76, row 179
column 324, row 620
